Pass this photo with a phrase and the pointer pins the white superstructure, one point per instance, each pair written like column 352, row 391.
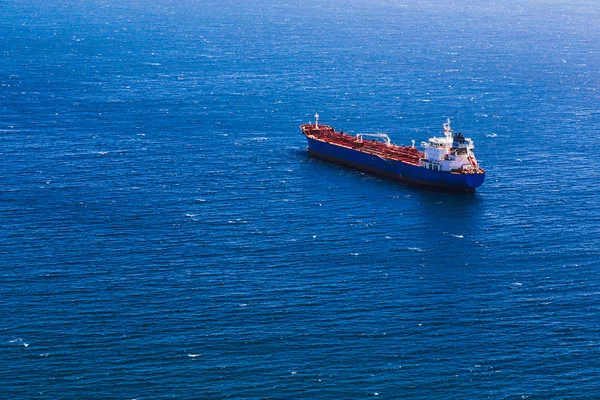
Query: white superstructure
column 453, row 152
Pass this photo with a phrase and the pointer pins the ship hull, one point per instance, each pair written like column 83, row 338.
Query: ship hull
column 394, row 169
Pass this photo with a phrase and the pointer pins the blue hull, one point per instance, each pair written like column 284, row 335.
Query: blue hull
column 395, row 169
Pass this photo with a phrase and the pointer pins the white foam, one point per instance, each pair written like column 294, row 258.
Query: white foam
column 194, row 355
column 458, row 236
column 416, row 249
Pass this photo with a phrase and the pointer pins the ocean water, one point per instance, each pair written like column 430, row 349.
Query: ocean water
column 164, row 233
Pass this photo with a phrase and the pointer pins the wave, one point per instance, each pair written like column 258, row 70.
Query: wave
column 417, row 249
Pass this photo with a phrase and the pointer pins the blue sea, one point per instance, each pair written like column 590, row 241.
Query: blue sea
column 164, row 232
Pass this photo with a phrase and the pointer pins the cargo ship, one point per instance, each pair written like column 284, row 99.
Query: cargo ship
column 447, row 162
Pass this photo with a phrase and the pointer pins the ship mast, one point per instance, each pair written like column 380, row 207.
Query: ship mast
column 447, row 129
column 316, row 121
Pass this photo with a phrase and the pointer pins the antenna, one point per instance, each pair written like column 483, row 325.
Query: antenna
column 317, row 121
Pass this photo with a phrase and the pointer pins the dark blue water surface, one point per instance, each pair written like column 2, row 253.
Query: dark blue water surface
column 164, row 233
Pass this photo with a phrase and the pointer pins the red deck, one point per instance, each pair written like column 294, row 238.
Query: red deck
column 327, row 134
